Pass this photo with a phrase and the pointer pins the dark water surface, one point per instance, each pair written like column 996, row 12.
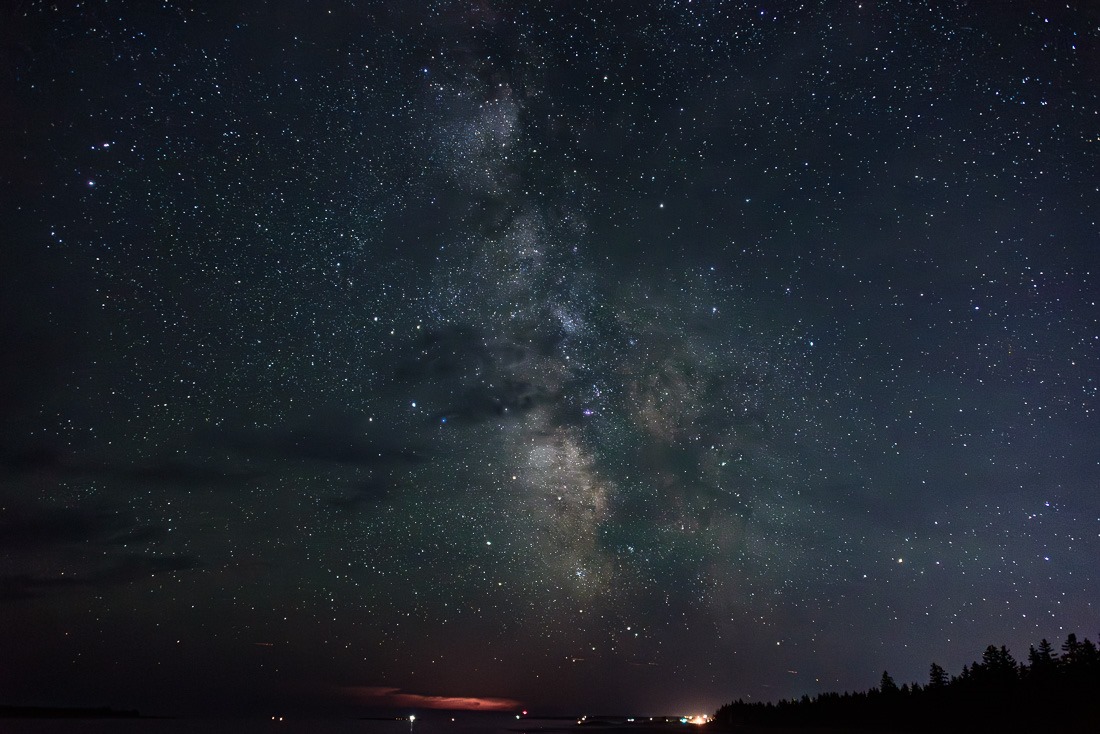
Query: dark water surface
column 476, row 724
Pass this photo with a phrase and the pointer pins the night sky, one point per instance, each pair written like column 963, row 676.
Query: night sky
column 617, row 356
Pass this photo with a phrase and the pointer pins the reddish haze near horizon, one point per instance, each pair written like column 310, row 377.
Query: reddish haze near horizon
column 396, row 698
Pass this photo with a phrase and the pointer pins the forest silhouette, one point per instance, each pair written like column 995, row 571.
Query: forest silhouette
column 1054, row 691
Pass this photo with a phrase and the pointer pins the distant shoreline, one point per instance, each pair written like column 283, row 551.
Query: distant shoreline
column 66, row 712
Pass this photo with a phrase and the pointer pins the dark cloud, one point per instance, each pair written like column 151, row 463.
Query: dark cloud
column 43, row 304
column 185, row 474
column 31, row 459
column 136, row 567
column 141, row 534
column 166, row 472
column 37, row 529
column 53, row 533
column 339, row 440
column 364, row 494
column 17, row 587
column 325, row 445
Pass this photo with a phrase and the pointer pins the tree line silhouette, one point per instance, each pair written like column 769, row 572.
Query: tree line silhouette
column 1052, row 691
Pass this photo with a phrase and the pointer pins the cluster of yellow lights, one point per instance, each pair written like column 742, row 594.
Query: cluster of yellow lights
column 698, row 719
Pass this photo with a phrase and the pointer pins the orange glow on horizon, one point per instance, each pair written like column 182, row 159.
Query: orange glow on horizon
column 396, row 698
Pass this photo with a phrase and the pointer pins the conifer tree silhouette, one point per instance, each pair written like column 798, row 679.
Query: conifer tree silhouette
column 1070, row 650
column 1050, row 692
column 937, row 677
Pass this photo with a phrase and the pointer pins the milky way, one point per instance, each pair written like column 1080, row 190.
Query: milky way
column 640, row 357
